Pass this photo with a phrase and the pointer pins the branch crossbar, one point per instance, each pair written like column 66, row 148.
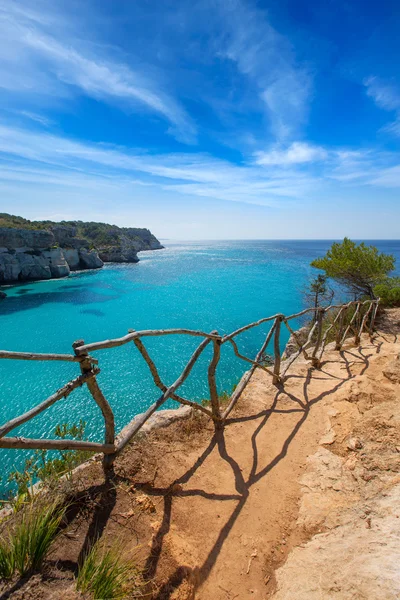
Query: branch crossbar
column 317, row 339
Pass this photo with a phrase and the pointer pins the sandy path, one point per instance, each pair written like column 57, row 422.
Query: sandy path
column 232, row 521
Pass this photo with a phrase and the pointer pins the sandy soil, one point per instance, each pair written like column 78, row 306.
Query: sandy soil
column 215, row 516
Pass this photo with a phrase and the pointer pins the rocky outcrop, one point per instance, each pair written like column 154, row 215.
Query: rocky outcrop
column 124, row 251
column 292, row 345
column 27, row 255
column 45, row 250
column 89, row 259
column 13, row 239
column 66, row 237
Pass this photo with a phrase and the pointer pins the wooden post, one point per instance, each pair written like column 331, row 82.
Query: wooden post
column 98, row 397
column 357, row 323
column 277, row 351
column 247, row 376
column 350, row 325
column 214, row 399
column 338, row 345
column 364, row 321
column 372, row 324
column 314, row 358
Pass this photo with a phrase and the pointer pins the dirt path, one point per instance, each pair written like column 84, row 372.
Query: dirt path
column 232, row 523
column 212, row 516
column 233, row 520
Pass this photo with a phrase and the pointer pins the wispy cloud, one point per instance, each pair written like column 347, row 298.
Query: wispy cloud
column 296, row 153
column 36, row 117
column 292, row 174
column 387, row 97
column 40, row 57
column 267, row 58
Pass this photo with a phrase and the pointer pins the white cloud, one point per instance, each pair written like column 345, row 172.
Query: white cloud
column 387, row 97
column 296, row 153
column 41, row 160
column 36, row 117
column 41, row 57
column 202, row 175
column 267, row 58
column 389, row 178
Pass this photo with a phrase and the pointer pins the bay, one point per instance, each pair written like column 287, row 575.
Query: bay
column 208, row 285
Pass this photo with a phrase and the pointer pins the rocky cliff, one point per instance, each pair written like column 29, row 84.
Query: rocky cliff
column 32, row 250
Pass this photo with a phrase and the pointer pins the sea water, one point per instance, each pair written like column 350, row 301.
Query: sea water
column 197, row 285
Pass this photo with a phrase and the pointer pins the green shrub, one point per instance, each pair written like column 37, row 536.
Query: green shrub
column 104, row 574
column 33, row 536
column 388, row 291
column 7, row 562
column 357, row 266
column 30, row 540
column 48, row 470
column 343, row 321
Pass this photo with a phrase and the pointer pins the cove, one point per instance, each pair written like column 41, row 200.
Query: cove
column 197, row 285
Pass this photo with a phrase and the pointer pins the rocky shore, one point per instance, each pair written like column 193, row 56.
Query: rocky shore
column 31, row 252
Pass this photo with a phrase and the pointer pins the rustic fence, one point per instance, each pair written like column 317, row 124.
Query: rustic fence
column 362, row 319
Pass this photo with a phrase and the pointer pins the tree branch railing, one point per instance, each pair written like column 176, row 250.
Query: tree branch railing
column 362, row 320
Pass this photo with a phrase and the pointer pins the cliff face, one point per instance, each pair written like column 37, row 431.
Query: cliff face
column 30, row 255
column 45, row 250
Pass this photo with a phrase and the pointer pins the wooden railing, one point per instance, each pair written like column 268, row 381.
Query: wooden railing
column 362, row 320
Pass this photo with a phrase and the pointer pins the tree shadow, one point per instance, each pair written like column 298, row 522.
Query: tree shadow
column 199, row 575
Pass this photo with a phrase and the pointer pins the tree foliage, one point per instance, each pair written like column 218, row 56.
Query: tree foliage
column 357, row 266
column 388, row 291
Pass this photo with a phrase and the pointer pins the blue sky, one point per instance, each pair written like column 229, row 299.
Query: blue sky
column 203, row 119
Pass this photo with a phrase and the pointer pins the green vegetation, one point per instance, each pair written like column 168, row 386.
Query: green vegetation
column 104, row 574
column 30, row 541
column 318, row 292
column 46, row 467
column 7, row 562
column 388, row 291
column 342, row 322
column 99, row 235
column 358, row 267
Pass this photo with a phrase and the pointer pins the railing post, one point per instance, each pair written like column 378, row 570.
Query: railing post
column 316, row 363
column 372, row 324
column 358, row 324
column 212, row 384
column 338, row 345
column 98, row 397
column 277, row 351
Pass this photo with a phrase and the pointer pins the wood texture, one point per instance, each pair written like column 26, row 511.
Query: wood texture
column 37, row 356
column 212, row 384
column 136, row 424
column 60, row 394
column 41, row 444
column 277, row 351
column 157, row 380
column 247, row 376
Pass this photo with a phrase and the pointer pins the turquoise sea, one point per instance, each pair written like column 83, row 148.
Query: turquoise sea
column 199, row 285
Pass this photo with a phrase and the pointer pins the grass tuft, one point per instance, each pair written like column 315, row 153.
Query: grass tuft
column 7, row 562
column 104, row 574
column 34, row 535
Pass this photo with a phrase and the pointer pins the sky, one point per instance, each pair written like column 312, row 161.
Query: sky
column 203, row 119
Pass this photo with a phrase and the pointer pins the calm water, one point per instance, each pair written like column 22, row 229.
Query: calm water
column 198, row 285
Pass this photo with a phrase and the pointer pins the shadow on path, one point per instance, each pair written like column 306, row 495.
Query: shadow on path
column 200, row 574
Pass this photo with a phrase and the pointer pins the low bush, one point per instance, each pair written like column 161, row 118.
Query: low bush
column 104, row 574
column 47, row 467
column 343, row 321
column 30, row 540
column 34, row 535
column 7, row 562
column 389, row 292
